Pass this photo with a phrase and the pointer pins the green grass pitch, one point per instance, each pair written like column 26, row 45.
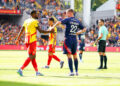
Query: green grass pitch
column 10, row 62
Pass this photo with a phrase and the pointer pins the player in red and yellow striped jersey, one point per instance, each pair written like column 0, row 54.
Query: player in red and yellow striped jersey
column 30, row 27
column 52, row 45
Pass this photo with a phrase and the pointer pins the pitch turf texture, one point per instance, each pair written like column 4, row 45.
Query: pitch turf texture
column 10, row 62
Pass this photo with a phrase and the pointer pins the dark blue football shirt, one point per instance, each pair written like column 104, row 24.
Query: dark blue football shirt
column 72, row 26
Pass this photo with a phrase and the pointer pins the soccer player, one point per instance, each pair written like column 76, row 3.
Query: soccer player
column 30, row 27
column 81, row 38
column 102, row 37
column 52, row 45
column 70, row 42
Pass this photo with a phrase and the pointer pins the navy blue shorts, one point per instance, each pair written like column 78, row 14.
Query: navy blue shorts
column 70, row 46
column 82, row 45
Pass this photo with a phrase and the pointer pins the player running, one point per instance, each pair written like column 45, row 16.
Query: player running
column 70, row 42
column 52, row 45
column 30, row 27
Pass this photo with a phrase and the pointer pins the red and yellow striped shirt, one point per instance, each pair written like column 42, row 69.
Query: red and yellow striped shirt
column 52, row 36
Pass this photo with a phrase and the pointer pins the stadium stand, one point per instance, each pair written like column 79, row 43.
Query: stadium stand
column 48, row 8
column 114, row 33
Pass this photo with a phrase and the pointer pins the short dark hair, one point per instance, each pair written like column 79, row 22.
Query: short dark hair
column 70, row 10
column 102, row 20
column 51, row 19
column 33, row 12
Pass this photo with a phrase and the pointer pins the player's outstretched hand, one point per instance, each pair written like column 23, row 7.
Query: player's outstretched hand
column 16, row 42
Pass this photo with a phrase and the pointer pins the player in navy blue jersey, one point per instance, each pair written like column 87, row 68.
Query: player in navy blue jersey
column 81, row 39
column 73, row 27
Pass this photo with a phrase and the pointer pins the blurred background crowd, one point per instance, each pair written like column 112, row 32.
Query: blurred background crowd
column 46, row 9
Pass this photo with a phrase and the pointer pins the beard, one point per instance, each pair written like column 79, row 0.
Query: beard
column 36, row 17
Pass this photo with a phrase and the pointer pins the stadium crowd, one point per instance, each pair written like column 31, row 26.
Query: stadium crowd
column 113, row 35
column 46, row 9
column 9, row 33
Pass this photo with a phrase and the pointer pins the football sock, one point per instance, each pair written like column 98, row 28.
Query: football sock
column 56, row 58
column 101, row 60
column 105, row 61
column 27, row 61
column 34, row 63
column 80, row 56
column 76, row 64
column 70, row 64
column 49, row 59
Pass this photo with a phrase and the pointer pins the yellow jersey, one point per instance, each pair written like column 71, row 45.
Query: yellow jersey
column 30, row 30
column 52, row 36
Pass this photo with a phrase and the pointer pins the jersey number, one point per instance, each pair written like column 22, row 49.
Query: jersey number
column 73, row 28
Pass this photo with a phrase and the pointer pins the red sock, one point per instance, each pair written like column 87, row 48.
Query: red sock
column 34, row 63
column 49, row 59
column 27, row 61
column 56, row 58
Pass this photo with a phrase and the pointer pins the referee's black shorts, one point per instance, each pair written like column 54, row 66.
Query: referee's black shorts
column 101, row 46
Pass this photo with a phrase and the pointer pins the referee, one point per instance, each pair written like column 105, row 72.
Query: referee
column 102, row 37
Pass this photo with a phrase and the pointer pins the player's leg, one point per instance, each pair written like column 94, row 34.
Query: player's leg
column 52, row 51
column 105, row 61
column 100, row 50
column 34, row 63
column 70, row 64
column 74, row 52
column 56, row 58
column 67, row 50
column 27, row 61
column 81, row 49
column 76, row 63
column 80, row 55
column 50, row 55
column 101, row 60
column 32, row 56
column 104, row 57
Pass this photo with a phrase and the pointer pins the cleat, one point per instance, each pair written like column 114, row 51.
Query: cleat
column 99, row 68
column 71, row 74
column 46, row 67
column 39, row 74
column 61, row 64
column 105, row 68
column 81, row 61
column 20, row 72
column 76, row 74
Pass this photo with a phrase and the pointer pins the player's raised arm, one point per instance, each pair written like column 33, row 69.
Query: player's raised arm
column 43, row 31
column 60, row 25
column 57, row 23
column 19, row 35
